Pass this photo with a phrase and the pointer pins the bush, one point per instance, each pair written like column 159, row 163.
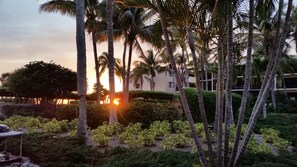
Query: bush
column 21, row 109
column 95, row 116
column 264, row 159
column 147, row 112
column 148, row 95
column 209, row 104
column 147, row 158
column 285, row 124
column 47, row 150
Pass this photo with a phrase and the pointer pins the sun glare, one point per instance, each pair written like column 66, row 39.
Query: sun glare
column 116, row 101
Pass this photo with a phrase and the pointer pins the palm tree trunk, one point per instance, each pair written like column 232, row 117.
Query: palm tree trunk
column 126, row 95
column 247, row 83
column 112, row 112
column 229, row 72
column 181, row 91
column 186, row 76
column 98, row 91
column 200, row 97
column 124, row 68
column 220, row 101
column 256, row 109
column 81, row 69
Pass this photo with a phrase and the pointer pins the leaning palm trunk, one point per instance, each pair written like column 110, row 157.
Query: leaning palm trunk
column 182, row 93
column 246, row 86
column 98, row 90
column 200, row 97
column 81, row 69
column 229, row 72
column 112, row 112
column 266, row 90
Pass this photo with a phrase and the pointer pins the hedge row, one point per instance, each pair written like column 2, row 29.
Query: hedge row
column 209, row 104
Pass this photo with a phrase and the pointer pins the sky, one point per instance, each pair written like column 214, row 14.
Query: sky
column 29, row 35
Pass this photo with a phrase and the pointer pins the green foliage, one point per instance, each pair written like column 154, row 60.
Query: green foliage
column 107, row 129
column 182, row 127
column 174, row 141
column 263, row 159
column 48, row 150
column 283, row 104
column 284, row 123
column 146, row 158
column 23, row 110
column 40, row 79
column 209, row 103
column 130, row 135
column 160, row 128
column 272, row 136
column 256, row 147
column 148, row 112
column 30, row 124
column 147, row 137
column 54, row 126
column 96, row 115
column 148, row 95
column 100, row 138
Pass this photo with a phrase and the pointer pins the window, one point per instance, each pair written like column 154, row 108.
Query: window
column 170, row 74
column 171, row 84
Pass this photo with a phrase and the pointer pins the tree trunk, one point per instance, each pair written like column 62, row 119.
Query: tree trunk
column 200, row 97
column 256, row 109
column 124, row 68
column 126, row 95
column 220, row 104
column 186, row 75
column 229, row 72
column 81, row 69
column 98, row 91
column 112, row 111
column 182, row 93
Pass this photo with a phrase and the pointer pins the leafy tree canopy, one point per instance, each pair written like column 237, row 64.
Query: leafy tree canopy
column 40, row 79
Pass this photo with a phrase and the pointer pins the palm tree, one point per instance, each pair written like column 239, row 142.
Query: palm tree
column 182, row 93
column 81, row 69
column 102, row 66
column 149, row 65
column 109, row 12
column 133, row 24
column 247, row 81
column 265, row 88
column 91, row 11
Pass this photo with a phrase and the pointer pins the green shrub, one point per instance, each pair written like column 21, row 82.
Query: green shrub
column 101, row 139
column 209, row 104
column 144, row 94
column 23, row 110
column 147, row 137
column 182, row 127
column 258, row 159
column 95, row 116
column 160, row 128
column 146, row 158
column 48, row 150
column 174, row 141
column 130, row 135
column 30, row 124
column 284, row 123
column 147, row 112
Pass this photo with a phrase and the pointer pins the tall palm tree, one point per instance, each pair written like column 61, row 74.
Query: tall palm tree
column 150, row 64
column 102, row 66
column 266, row 88
column 133, row 24
column 109, row 12
column 92, row 10
column 81, row 69
column 247, row 81
column 182, row 93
